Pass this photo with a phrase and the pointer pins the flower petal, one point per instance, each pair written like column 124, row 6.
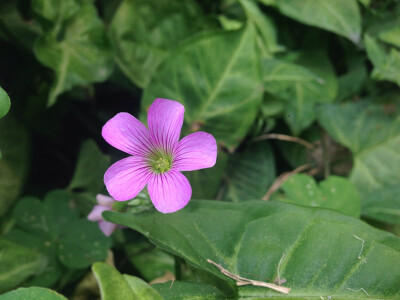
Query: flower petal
column 107, row 227
column 127, row 134
column 165, row 119
column 169, row 191
column 195, row 151
column 127, row 177
column 95, row 214
column 104, row 200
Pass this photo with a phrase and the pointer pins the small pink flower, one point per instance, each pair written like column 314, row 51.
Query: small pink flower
column 105, row 203
column 157, row 156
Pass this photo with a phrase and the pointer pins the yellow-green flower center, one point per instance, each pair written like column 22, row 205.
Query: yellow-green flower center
column 160, row 162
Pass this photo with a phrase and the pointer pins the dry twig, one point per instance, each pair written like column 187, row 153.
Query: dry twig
column 284, row 137
column 281, row 179
column 244, row 281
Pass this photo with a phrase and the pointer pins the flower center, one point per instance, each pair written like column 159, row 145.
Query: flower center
column 160, row 162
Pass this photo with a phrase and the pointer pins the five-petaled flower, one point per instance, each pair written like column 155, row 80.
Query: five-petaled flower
column 104, row 203
column 157, row 156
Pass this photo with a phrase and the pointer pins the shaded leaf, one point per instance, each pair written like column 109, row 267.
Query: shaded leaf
column 301, row 86
column 4, row 103
column 77, row 50
column 336, row 193
column 32, row 293
column 187, row 290
column 14, row 145
column 216, row 77
column 17, row 263
column 372, row 132
column 340, row 16
column 249, row 173
column 90, row 168
column 250, row 238
column 386, row 65
column 145, row 31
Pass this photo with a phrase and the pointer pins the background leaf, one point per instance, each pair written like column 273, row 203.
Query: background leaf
column 4, row 103
column 145, row 31
column 336, row 193
column 216, row 77
column 82, row 55
column 17, row 263
column 372, row 132
column 32, row 293
column 188, row 290
column 250, row 238
column 339, row 16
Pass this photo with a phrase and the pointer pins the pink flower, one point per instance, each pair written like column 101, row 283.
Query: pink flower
column 158, row 156
column 105, row 203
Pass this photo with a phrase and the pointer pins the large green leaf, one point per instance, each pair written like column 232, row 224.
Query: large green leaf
column 4, row 103
column 113, row 285
column 249, row 173
column 319, row 249
column 90, row 168
column 372, row 132
column 336, row 193
column 14, row 145
column 76, row 49
column 216, row 77
column 301, row 85
column 144, row 32
column 17, row 263
column 188, row 291
column 339, row 16
column 386, row 65
column 32, row 293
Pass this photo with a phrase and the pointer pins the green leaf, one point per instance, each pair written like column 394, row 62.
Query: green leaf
column 301, row 86
column 340, row 16
column 336, row 193
column 4, row 103
column 145, row 31
column 90, row 169
column 216, row 77
column 113, row 285
column 55, row 10
column 249, row 173
column 319, row 248
column 372, row 132
column 17, row 263
column 386, row 65
column 265, row 27
column 14, row 145
column 32, row 293
column 76, row 243
column 150, row 261
column 188, row 291
column 391, row 36
column 76, row 49
column 383, row 205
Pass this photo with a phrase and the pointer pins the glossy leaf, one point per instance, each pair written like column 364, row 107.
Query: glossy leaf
column 187, row 291
column 249, row 239
column 14, row 145
column 249, row 173
column 301, row 86
column 17, row 263
column 340, row 16
column 145, row 31
column 32, row 293
column 113, row 285
column 216, row 77
column 4, row 103
column 90, row 168
column 77, row 50
column 336, row 193
column 372, row 133
column 386, row 65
